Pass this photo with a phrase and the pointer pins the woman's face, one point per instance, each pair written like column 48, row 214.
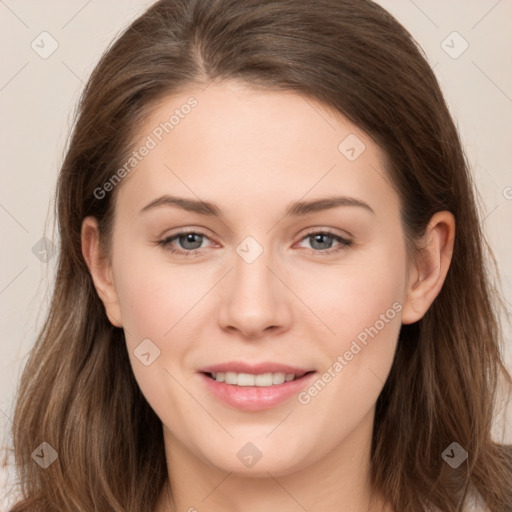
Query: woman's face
column 279, row 276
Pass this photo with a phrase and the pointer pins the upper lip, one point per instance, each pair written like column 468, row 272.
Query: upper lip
column 254, row 369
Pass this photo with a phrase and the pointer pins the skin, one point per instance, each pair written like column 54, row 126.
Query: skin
column 253, row 153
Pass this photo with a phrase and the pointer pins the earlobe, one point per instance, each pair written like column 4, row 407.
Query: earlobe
column 430, row 269
column 100, row 270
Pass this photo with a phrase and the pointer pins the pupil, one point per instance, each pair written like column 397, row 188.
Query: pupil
column 189, row 238
column 319, row 238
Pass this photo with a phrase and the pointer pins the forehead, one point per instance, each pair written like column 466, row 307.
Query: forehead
column 238, row 145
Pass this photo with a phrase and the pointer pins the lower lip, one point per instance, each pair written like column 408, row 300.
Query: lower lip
column 256, row 398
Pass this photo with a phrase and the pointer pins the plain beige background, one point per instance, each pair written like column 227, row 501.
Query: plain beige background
column 39, row 90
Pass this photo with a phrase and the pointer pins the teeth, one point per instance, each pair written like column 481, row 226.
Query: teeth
column 247, row 379
column 279, row 378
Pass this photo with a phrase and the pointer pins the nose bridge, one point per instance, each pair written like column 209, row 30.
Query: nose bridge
column 252, row 277
column 251, row 273
column 254, row 299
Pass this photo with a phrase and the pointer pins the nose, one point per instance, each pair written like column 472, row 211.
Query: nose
column 255, row 299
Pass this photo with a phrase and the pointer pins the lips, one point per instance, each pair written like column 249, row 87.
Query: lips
column 254, row 387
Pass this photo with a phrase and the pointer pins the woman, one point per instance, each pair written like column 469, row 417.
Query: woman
column 331, row 327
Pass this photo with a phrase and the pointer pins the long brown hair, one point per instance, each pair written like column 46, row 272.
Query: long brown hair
column 78, row 392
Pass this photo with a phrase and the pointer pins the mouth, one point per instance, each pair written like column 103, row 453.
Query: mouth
column 259, row 380
column 254, row 388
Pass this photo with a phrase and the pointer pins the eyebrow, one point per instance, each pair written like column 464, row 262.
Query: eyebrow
column 299, row 208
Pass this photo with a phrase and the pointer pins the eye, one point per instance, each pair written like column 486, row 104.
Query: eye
column 322, row 241
column 190, row 241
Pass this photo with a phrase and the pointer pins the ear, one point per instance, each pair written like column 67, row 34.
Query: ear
column 429, row 271
column 100, row 269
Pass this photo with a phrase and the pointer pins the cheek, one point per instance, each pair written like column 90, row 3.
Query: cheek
column 165, row 304
column 352, row 296
column 154, row 296
column 361, row 305
column 157, row 304
column 363, row 309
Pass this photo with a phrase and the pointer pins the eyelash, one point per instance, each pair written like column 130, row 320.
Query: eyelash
column 343, row 242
